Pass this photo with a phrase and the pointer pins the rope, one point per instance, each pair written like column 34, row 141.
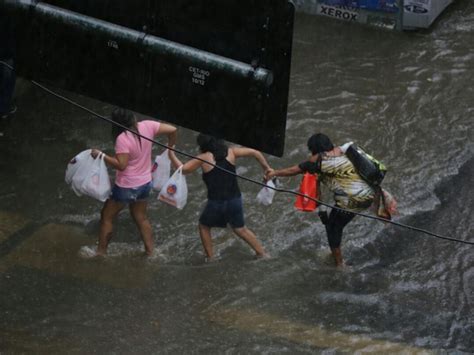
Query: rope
column 63, row 98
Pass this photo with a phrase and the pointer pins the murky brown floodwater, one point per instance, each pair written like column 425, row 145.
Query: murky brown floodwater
column 406, row 97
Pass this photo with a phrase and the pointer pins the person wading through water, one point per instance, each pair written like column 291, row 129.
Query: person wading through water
column 133, row 163
column 336, row 171
column 224, row 204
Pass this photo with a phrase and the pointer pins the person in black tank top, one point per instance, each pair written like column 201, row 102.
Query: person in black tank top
column 221, row 185
column 224, row 200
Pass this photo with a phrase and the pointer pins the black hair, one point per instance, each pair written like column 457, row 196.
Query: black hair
column 319, row 143
column 212, row 144
column 125, row 118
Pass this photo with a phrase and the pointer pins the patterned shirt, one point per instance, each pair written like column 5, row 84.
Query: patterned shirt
column 338, row 174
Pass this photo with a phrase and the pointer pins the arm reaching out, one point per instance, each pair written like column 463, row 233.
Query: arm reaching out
column 291, row 171
column 174, row 159
column 249, row 152
column 189, row 166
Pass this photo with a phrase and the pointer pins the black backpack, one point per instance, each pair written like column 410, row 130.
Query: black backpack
column 369, row 168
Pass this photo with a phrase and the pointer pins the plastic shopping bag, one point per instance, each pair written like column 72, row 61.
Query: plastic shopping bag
column 308, row 187
column 384, row 205
column 74, row 163
column 161, row 170
column 89, row 176
column 265, row 195
column 175, row 191
column 346, row 146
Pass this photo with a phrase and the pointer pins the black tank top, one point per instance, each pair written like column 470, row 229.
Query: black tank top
column 221, row 185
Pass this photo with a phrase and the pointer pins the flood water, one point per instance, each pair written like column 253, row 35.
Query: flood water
column 408, row 98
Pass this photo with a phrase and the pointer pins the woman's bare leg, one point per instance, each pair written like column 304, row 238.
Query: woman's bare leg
column 206, row 240
column 138, row 212
column 107, row 216
column 249, row 237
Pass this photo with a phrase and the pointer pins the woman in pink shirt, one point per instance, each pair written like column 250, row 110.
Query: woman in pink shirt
column 133, row 163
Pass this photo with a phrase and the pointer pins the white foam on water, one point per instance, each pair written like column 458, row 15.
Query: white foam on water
column 79, row 218
column 87, row 252
column 126, row 251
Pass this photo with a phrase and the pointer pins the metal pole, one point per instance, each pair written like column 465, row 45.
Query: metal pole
column 153, row 44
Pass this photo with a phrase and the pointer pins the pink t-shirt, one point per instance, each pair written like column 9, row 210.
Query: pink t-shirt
column 138, row 170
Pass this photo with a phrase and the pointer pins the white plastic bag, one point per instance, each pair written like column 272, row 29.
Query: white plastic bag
column 89, row 176
column 161, row 170
column 74, row 164
column 346, row 146
column 265, row 196
column 175, row 190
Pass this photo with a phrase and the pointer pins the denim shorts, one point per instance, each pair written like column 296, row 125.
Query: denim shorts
column 130, row 195
column 220, row 213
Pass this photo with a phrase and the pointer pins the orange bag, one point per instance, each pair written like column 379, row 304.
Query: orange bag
column 308, row 187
